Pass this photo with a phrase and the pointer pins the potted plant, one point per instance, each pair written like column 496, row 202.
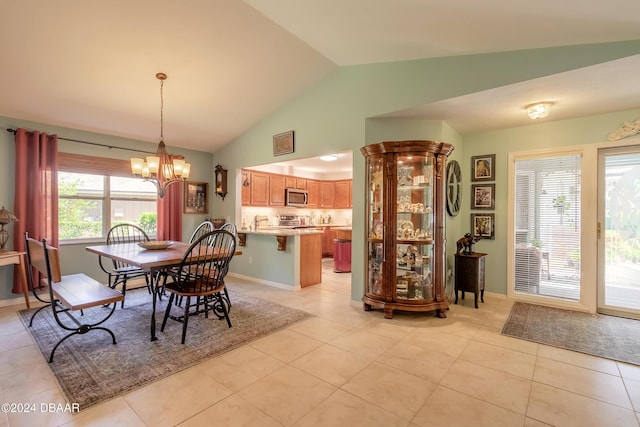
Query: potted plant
column 561, row 204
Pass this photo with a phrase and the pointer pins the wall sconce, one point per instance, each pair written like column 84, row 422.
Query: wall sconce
column 221, row 181
column 539, row 110
column 6, row 217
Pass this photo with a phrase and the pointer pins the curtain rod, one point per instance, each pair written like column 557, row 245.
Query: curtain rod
column 14, row 131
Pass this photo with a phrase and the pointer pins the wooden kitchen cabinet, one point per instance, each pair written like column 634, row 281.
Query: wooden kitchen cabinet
column 246, row 188
column 267, row 189
column 327, row 242
column 313, row 193
column 295, row 182
column 327, row 194
column 405, row 226
column 276, row 190
column 342, row 198
column 259, row 189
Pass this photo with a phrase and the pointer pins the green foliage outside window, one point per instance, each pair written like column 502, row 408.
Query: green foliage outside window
column 72, row 221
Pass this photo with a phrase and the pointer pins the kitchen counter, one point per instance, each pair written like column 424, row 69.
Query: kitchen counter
column 297, row 262
column 281, row 231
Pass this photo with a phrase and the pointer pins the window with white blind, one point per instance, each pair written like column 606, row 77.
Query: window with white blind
column 547, row 226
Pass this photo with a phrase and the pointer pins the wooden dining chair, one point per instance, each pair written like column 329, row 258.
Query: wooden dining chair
column 203, row 228
column 201, row 275
column 117, row 271
column 39, row 289
column 69, row 293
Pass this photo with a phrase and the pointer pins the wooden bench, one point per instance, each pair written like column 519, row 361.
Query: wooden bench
column 69, row 293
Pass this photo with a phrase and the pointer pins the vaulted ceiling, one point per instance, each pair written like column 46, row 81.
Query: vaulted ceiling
column 91, row 65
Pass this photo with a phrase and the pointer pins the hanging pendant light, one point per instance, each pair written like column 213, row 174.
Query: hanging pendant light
column 161, row 169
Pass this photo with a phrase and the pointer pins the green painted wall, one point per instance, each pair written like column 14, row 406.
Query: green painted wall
column 580, row 131
column 332, row 116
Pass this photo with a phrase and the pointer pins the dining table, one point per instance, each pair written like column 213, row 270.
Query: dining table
column 152, row 261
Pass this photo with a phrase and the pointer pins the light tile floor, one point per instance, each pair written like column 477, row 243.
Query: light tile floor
column 348, row 367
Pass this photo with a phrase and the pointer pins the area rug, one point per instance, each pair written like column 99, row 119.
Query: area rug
column 610, row 337
column 90, row 369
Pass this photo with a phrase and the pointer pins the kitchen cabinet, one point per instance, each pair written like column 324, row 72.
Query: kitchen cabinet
column 342, row 191
column 267, row 189
column 327, row 194
column 259, row 189
column 327, row 242
column 276, row 190
column 246, row 188
column 295, row 182
column 405, row 226
column 313, row 193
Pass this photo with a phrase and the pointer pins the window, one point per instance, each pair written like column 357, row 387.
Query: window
column 93, row 196
column 546, row 226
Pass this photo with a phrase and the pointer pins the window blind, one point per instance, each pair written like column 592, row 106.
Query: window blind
column 547, row 226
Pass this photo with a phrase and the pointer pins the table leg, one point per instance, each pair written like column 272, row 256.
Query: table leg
column 25, row 284
column 154, row 283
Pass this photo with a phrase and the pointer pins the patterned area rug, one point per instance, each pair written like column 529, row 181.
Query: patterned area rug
column 610, row 337
column 90, row 369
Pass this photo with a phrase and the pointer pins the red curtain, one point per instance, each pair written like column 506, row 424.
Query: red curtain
column 36, row 191
column 170, row 214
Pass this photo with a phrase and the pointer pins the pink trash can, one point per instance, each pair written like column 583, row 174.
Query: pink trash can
column 341, row 256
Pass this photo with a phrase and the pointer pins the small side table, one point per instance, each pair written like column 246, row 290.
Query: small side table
column 14, row 257
column 470, row 275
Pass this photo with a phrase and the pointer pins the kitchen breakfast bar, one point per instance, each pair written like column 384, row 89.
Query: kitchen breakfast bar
column 284, row 257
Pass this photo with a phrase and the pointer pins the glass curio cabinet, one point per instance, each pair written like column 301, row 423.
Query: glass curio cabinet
column 405, row 226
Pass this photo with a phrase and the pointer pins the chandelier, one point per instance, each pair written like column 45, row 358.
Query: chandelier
column 161, row 169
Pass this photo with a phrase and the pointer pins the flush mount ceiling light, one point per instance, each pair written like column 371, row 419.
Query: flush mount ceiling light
column 163, row 169
column 329, row 157
column 538, row 110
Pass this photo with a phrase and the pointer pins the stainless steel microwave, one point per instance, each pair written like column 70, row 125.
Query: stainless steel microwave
column 295, row 197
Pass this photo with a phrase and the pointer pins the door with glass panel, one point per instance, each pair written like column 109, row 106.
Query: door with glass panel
column 547, row 226
column 619, row 231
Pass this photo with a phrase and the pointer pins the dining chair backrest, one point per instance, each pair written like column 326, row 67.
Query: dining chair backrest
column 230, row 227
column 38, row 256
column 203, row 228
column 126, row 233
column 206, row 263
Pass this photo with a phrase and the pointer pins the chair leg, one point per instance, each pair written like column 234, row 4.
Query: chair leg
column 124, row 291
column 224, row 308
column 38, row 311
column 167, row 312
column 226, row 295
column 185, row 320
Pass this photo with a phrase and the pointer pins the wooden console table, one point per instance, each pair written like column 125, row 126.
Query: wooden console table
column 470, row 275
column 13, row 257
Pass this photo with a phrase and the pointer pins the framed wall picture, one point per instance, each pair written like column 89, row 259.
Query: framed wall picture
column 283, row 143
column 483, row 168
column 482, row 225
column 483, row 196
column 196, row 197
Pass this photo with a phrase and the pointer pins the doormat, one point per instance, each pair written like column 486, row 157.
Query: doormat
column 611, row 337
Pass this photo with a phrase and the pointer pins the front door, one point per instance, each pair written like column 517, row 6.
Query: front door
column 619, row 231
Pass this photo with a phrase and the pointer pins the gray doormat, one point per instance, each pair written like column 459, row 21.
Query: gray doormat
column 610, row 337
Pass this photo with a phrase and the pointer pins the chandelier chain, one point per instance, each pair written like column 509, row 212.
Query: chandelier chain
column 161, row 110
